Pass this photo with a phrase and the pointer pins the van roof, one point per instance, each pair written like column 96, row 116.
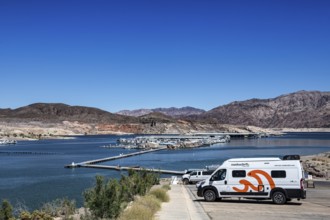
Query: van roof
column 254, row 159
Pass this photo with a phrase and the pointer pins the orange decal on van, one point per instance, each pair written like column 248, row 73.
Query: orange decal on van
column 255, row 174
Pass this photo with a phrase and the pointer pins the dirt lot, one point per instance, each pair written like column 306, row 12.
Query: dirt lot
column 316, row 206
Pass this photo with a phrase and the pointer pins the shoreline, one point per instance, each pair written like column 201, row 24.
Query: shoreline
column 317, row 165
column 271, row 132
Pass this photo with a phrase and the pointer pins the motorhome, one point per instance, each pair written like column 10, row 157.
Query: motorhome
column 256, row 178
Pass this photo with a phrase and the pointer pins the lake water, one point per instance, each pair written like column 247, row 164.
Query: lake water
column 32, row 172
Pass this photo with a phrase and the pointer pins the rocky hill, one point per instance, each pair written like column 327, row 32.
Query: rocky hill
column 303, row 109
column 173, row 112
column 57, row 112
column 135, row 113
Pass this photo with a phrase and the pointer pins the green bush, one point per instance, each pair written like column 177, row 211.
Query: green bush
column 106, row 200
column 160, row 194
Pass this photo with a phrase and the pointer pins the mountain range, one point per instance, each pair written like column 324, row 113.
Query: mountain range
column 173, row 112
column 303, row 109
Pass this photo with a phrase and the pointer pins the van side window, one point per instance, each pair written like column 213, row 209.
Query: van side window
column 239, row 173
column 219, row 175
column 278, row 173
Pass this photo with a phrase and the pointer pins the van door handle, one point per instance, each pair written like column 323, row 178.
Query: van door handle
column 225, row 182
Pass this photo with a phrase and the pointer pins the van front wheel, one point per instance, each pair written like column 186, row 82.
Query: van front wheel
column 209, row 195
column 185, row 181
column 279, row 198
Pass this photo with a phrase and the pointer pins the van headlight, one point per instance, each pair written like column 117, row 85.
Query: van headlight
column 200, row 184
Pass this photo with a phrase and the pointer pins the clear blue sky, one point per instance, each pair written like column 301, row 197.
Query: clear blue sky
column 120, row 54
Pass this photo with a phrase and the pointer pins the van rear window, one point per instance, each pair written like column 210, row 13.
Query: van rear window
column 239, row 173
column 278, row 173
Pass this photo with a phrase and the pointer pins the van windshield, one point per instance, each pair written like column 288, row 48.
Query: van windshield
column 219, row 175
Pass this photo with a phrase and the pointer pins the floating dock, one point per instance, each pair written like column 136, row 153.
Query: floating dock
column 205, row 135
column 122, row 156
column 92, row 163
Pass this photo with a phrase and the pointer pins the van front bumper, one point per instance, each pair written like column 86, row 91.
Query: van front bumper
column 200, row 191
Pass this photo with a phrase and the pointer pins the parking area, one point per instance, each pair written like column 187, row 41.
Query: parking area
column 316, row 206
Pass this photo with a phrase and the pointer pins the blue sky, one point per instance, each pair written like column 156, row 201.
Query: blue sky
column 120, row 54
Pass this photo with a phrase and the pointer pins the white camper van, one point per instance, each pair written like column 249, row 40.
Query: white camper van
column 256, row 178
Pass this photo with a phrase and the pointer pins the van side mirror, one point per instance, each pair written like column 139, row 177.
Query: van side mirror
column 212, row 178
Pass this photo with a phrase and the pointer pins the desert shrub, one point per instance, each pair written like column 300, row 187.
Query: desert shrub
column 86, row 216
column 35, row 215
column 6, row 210
column 60, row 207
column 19, row 208
column 25, row 215
column 160, row 194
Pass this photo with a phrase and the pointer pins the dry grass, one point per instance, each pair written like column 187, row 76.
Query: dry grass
column 143, row 208
column 160, row 194
column 166, row 187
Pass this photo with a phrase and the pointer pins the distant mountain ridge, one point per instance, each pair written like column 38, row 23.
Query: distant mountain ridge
column 303, row 109
column 173, row 112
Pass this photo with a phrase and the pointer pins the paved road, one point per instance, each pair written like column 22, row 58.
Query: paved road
column 181, row 206
column 316, row 206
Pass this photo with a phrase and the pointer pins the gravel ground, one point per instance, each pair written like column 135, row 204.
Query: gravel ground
column 316, row 206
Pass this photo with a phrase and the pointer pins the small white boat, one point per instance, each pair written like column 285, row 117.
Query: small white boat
column 6, row 142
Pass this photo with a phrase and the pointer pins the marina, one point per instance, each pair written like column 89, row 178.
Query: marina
column 173, row 141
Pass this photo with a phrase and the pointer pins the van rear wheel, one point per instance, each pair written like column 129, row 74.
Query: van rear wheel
column 279, row 198
column 209, row 195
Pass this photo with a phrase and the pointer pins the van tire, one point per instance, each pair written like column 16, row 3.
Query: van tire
column 279, row 198
column 185, row 181
column 209, row 195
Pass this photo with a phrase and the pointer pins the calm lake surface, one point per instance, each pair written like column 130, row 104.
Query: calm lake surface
column 38, row 175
